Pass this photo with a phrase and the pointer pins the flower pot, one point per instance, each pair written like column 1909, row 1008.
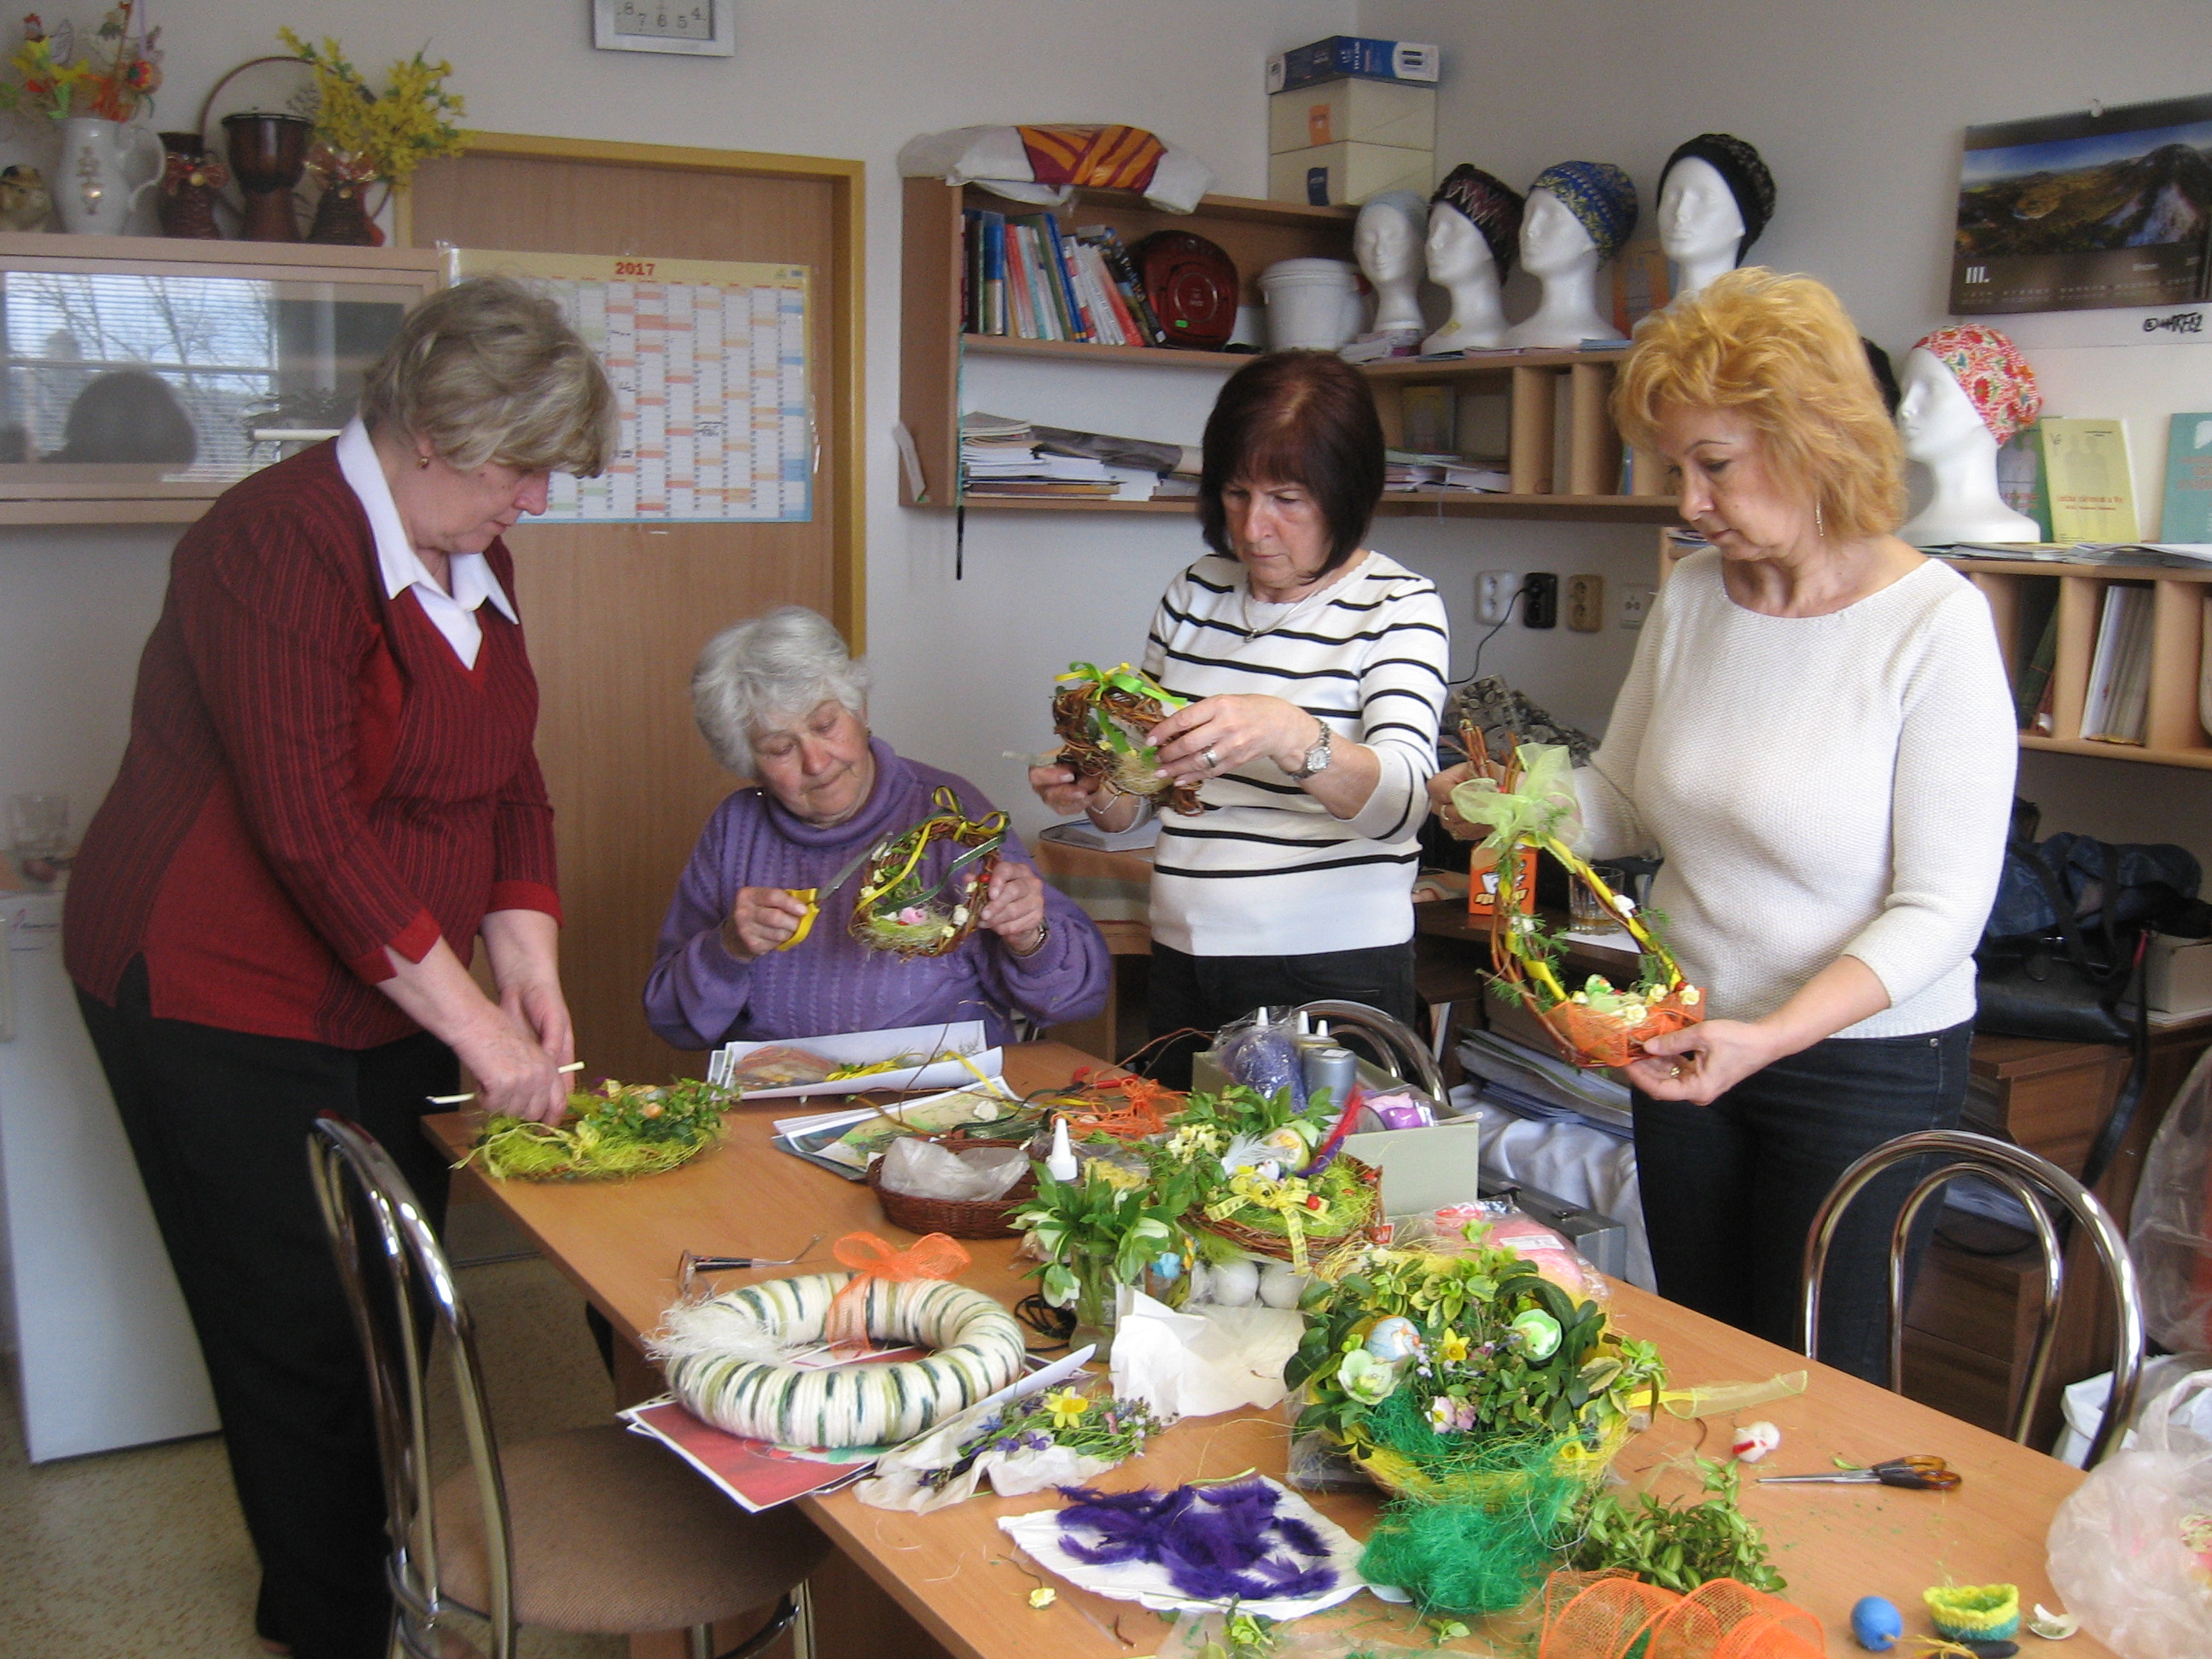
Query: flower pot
column 95, row 189
column 268, row 154
column 191, row 182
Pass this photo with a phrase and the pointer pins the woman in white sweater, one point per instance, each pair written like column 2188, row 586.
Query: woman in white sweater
column 1817, row 737
column 1316, row 671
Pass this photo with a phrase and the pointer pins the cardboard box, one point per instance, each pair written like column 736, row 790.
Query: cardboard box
column 1353, row 111
column 1345, row 175
column 1351, row 54
column 1482, row 884
column 2177, row 974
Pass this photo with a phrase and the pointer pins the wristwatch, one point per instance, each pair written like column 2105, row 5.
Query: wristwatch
column 1317, row 756
column 1043, row 933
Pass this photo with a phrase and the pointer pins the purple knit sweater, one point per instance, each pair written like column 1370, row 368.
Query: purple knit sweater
column 699, row 996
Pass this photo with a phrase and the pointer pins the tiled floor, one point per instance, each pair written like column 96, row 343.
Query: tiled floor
column 140, row 1554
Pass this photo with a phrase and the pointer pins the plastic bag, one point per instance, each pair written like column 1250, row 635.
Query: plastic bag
column 922, row 1169
column 1264, row 1057
column 2171, row 1239
column 2131, row 1547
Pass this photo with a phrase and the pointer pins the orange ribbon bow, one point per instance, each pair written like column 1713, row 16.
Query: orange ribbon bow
column 871, row 1258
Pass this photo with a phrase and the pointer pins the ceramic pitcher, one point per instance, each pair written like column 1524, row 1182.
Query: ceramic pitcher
column 105, row 168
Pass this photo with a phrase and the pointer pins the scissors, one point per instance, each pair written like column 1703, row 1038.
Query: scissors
column 1920, row 1473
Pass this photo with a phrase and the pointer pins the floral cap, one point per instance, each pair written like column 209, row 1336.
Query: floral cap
column 1991, row 372
column 1598, row 194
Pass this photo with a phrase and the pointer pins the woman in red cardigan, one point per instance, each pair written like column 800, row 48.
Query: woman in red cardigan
column 328, row 797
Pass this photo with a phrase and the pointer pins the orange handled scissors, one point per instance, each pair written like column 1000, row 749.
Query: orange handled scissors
column 1920, row 1473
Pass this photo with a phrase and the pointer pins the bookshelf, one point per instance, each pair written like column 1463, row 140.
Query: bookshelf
column 2021, row 595
column 1565, row 456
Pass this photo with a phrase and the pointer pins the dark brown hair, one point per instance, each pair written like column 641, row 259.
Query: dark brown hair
column 1301, row 417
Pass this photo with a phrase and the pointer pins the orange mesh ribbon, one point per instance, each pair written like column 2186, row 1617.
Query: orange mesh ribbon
column 1105, row 157
column 1609, row 1616
column 871, row 1258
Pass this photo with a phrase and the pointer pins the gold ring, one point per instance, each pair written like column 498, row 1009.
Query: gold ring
column 1674, row 1070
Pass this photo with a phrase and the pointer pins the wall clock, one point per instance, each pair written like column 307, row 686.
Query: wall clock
column 699, row 28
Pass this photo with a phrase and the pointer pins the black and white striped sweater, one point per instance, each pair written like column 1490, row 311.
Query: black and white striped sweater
column 1270, row 873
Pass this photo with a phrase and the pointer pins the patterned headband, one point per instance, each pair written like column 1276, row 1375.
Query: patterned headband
column 1740, row 170
column 1491, row 204
column 1992, row 374
column 1598, row 194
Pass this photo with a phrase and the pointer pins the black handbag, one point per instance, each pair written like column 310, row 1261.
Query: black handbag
column 2063, row 956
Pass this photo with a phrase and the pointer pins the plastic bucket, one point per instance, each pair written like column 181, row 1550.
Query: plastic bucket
column 1312, row 304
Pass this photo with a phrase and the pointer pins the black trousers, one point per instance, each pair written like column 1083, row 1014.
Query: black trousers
column 1209, row 992
column 218, row 1121
column 1730, row 1189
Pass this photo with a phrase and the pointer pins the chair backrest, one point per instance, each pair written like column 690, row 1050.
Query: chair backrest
column 2030, row 1179
column 1397, row 1046
column 381, row 1239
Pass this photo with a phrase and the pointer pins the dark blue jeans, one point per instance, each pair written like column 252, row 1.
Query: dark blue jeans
column 1208, row 993
column 1730, row 1189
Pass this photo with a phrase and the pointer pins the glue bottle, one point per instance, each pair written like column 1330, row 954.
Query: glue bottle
column 1060, row 1163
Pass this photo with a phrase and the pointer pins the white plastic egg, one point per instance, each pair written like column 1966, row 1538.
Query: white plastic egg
column 1393, row 1339
column 1236, row 1283
column 1281, row 1285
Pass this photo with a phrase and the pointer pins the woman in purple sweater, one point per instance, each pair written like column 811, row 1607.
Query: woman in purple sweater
column 780, row 700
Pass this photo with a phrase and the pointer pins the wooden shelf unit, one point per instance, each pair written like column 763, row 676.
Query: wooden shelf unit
column 2174, row 732
column 1254, row 234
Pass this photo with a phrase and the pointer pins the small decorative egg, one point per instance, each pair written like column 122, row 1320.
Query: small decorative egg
column 1754, row 1440
column 1393, row 1339
column 1281, row 1285
column 1876, row 1624
column 1236, row 1283
column 1167, row 1266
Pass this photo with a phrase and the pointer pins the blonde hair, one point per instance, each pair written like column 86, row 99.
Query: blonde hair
column 1782, row 353
column 487, row 371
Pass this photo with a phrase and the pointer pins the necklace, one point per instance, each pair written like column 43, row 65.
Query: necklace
column 1285, row 609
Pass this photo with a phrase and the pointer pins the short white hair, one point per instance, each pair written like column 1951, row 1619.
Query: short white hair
column 788, row 662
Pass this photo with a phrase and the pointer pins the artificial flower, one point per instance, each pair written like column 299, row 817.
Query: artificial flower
column 1540, row 1333
column 1452, row 1347
column 1044, row 1596
column 1067, row 1407
column 1365, row 1378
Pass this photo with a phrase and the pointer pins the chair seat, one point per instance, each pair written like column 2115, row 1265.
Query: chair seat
column 615, row 1534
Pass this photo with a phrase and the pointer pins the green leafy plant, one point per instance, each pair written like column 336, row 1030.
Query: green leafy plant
column 1678, row 1547
column 625, row 1130
column 362, row 135
column 1099, row 1230
column 1093, row 1423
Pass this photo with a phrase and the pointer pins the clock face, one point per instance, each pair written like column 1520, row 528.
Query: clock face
column 700, row 27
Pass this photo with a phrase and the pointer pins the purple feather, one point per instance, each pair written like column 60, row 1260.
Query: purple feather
column 1216, row 1544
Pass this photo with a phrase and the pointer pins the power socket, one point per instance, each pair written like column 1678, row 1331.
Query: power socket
column 1636, row 606
column 1586, row 604
column 1493, row 595
column 1540, row 601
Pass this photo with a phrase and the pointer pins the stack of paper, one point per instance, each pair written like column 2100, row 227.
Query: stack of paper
column 2119, row 672
column 1404, row 470
column 1536, row 1085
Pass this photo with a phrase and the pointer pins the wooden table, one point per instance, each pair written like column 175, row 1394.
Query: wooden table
column 954, row 1574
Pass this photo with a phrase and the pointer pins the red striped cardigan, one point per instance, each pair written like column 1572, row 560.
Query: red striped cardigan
column 312, row 777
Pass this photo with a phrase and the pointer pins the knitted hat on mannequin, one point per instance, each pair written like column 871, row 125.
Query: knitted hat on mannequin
column 1491, row 204
column 1992, row 374
column 1597, row 193
column 1740, row 169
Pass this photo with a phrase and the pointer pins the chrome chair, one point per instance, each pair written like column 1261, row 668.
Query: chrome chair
column 2029, row 1179
column 598, row 1530
column 1398, row 1047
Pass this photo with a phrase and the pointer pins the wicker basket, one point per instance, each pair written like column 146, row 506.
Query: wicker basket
column 1254, row 1241
column 956, row 1218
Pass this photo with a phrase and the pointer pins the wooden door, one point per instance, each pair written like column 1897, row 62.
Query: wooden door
column 615, row 614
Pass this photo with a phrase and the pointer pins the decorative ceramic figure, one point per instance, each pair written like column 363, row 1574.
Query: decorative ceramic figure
column 1387, row 241
column 107, row 167
column 1715, row 197
column 25, row 204
column 1475, row 222
column 1580, row 214
column 1967, row 389
column 268, row 154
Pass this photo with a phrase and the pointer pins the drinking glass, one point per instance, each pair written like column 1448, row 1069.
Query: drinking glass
column 1588, row 915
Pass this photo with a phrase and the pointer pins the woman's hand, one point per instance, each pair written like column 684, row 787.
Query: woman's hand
column 1702, row 1062
column 1219, row 734
column 760, row 921
column 515, row 1073
column 1440, row 792
column 1015, row 909
column 1064, row 790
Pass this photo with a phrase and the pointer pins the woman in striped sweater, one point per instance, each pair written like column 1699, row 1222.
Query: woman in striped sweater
column 1316, row 672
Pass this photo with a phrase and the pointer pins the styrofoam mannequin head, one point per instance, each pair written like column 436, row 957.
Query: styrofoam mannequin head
column 1553, row 240
column 1936, row 418
column 1699, row 221
column 1457, row 250
column 1945, row 431
column 1388, row 237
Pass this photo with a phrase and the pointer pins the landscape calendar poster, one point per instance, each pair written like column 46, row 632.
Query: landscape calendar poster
column 2104, row 207
column 710, row 364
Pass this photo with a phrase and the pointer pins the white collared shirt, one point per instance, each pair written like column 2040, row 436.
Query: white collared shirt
column 453, row 612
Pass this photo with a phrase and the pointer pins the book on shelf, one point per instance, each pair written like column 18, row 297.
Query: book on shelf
column 2086, row 474
column 1121, row 271
column 2019, row 478
column 2187, row 514
column 1428, row 417
column 2204, row 670
column 1025, row 277
column 2032, row 694
column 1404, row 470
column 2164, row 555
column 2120, row 669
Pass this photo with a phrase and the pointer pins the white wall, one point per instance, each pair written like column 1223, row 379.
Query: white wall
column 1857, row 109
column 964, row 669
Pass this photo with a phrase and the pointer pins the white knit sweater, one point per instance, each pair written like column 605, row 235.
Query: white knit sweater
column 1819, row 786
column 1270, row 871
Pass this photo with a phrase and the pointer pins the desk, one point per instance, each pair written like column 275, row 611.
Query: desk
column 620, row 1245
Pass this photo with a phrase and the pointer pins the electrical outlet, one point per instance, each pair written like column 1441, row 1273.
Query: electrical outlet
column 1585, row 604
column 1539, row 602
column 1636, row 606
column 1493, row 595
